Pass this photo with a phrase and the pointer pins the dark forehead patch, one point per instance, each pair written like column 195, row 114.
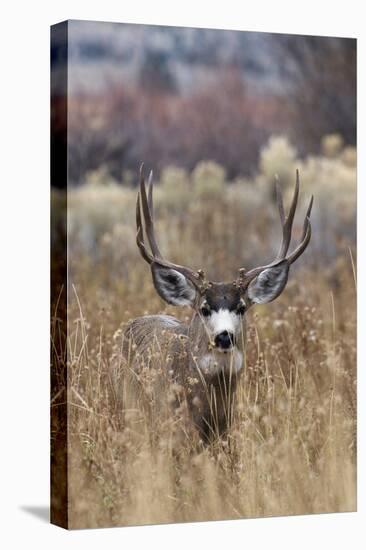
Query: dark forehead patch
column 222, row 296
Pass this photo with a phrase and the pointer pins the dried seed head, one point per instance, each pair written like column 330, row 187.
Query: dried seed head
column 196, row 402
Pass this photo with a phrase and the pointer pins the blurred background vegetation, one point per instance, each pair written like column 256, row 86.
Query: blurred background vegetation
column 176, row 96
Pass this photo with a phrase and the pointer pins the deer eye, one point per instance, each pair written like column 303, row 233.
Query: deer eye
column 205, row 311
column 241, row 308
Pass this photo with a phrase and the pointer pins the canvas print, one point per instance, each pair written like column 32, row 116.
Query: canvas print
column 203, row 274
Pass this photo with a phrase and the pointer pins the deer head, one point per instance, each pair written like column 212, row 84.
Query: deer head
column 220, row 306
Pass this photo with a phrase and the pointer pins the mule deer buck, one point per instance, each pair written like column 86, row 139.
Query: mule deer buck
column 210, row 349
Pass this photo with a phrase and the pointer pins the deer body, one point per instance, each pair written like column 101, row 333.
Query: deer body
column 207, row 375
column 207, row 356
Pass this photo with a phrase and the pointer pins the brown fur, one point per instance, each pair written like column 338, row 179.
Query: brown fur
column 209, row 395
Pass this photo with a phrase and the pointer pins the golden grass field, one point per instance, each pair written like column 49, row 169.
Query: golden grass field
column 292, row 447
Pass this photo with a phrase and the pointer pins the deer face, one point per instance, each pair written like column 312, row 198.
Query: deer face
column 220, row 306
column 222, row 309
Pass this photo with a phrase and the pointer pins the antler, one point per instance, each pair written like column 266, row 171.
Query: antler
column 286, row 222
column 145, row 202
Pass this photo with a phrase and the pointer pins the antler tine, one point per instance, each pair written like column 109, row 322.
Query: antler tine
column 150, row 194
column 140, row 233
column 144, row 211
column 287, row 222
column 305, row 237
column 146, row 208
column 246, row 276
column 280, row 201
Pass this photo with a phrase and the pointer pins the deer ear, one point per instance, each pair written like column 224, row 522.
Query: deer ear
column 172, row 286
column 269, row 284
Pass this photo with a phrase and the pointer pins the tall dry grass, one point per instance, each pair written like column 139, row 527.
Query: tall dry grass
column 292, row 446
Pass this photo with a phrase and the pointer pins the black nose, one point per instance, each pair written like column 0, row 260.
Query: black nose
column 224, row 340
